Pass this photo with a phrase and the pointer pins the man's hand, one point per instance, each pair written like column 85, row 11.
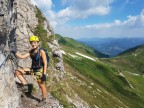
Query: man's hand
column 43, row 78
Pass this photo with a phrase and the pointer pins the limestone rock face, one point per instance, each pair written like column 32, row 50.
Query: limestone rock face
column 17, row 23
column 26, row 21
column 9, row 96
column 56, row 52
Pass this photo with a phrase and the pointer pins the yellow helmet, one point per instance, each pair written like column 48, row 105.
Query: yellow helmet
column 33, row 38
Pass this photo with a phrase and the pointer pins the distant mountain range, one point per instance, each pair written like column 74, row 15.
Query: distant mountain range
column 112, row 46
column 73, row 45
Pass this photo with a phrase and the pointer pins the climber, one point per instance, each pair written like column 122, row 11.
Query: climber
column 38, row 68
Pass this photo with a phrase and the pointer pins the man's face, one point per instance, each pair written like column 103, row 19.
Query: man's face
column 34, row 44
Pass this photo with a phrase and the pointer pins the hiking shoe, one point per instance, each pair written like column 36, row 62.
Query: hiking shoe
column 25, row 88
column 41, row 103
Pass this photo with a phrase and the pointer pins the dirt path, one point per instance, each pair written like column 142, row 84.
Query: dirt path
column 30, row 101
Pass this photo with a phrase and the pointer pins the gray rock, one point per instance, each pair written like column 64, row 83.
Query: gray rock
column 9, row 97
column 14, row 29
column 58, row 53
column 16, row 26
column 59, row 66
column 55, row 42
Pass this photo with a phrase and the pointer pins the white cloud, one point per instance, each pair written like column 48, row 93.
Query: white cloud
column 75, row 9
column 78, row 9
column 83, row 9
column 44, row 4
column 132, row 27
column 131, row 22
column 78, row 14
column 64, row 13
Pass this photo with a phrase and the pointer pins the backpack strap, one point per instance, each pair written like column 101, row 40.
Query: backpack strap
column 38, row 54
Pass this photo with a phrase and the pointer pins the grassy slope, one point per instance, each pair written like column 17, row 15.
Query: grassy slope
column 71, row 45
column 107, row 79
column 97, row 82
column 130, row 60
column 131, row 65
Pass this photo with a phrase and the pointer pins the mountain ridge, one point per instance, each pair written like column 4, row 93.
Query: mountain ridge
column 132, row 50
column 113, row 46
column 79, row 46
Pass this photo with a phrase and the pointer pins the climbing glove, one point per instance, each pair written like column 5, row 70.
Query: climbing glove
column 43, row 78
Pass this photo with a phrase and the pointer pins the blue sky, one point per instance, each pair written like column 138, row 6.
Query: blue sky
column 94, row 18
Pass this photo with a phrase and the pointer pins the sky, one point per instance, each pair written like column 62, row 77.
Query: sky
column 94, row 18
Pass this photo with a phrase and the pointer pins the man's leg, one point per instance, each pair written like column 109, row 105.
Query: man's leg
column 19, row 73
column 44, row 93
column 43, row 88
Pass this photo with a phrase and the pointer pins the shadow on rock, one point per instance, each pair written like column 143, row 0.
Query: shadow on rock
column 29, row 93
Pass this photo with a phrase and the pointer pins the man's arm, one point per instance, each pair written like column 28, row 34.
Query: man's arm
column 22, row 56
column 43, row 55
